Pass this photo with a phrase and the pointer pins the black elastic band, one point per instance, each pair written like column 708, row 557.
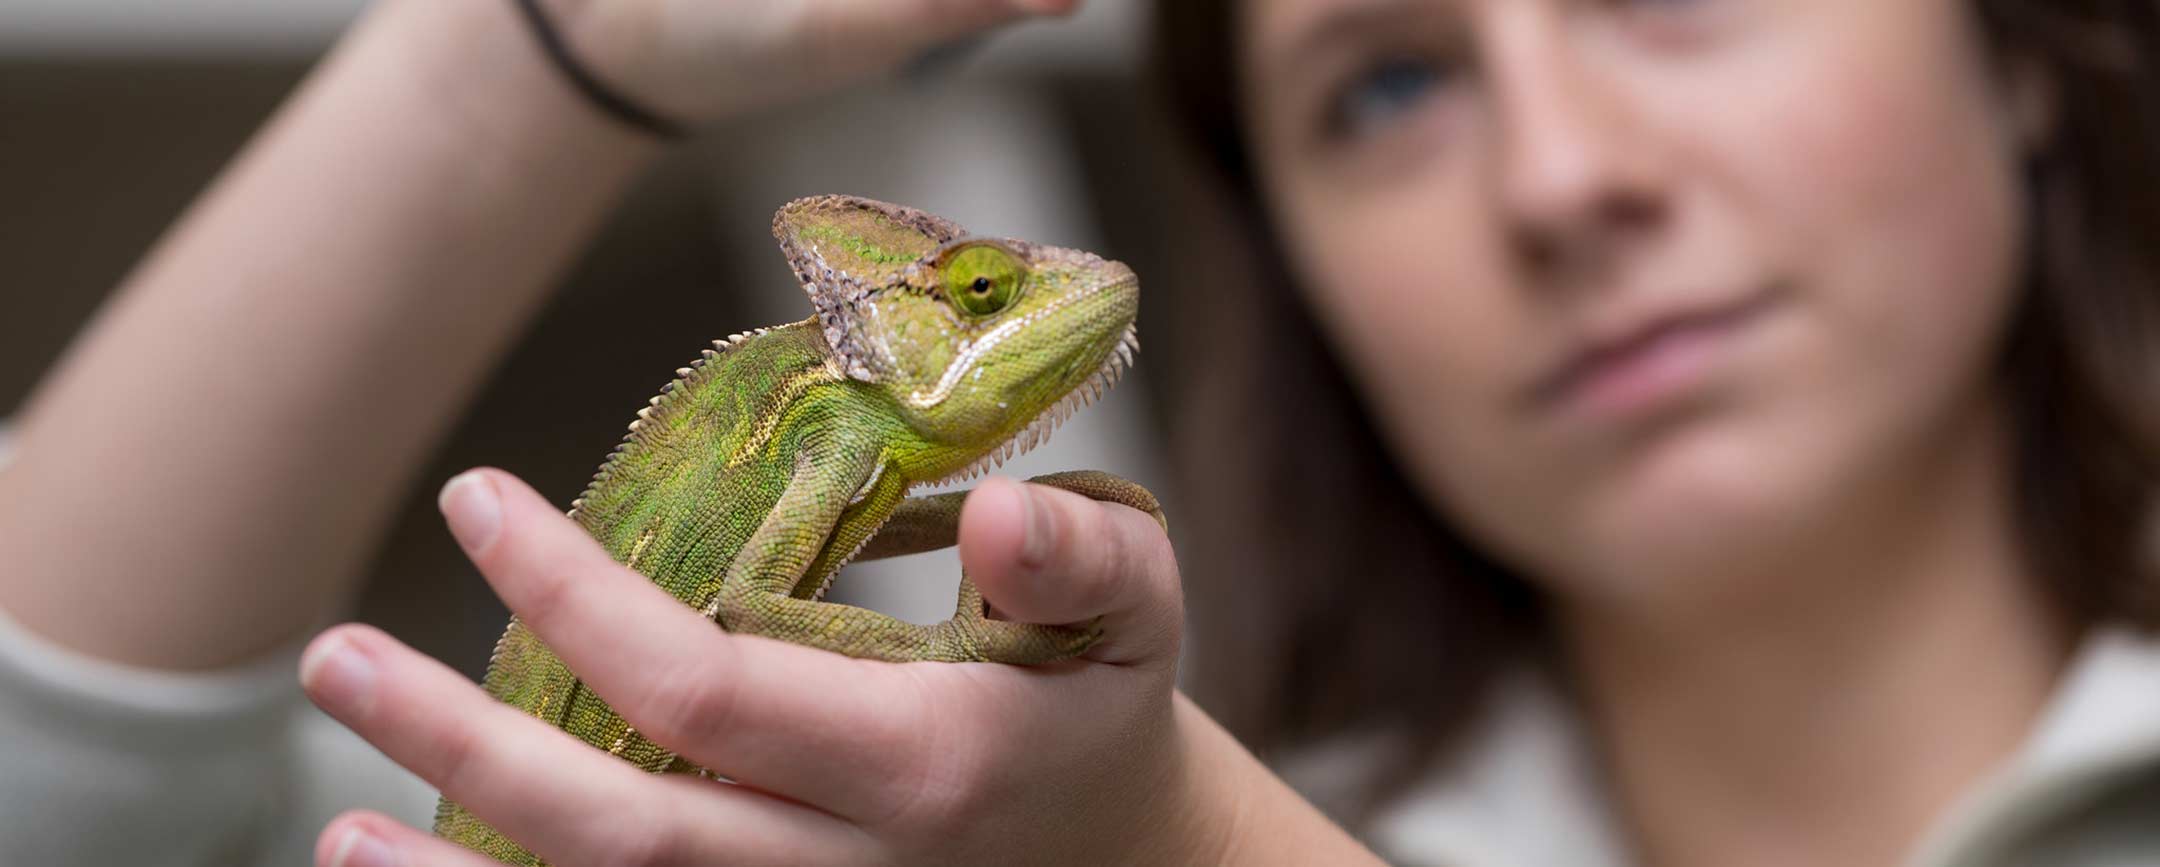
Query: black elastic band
column 614, row 104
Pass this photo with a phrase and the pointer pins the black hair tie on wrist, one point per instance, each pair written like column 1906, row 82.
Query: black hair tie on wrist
column 612, row 103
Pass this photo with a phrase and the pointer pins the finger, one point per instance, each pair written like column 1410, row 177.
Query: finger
column 837, row 733
column 1043, row 555
column 536, row 784
column 364, row 839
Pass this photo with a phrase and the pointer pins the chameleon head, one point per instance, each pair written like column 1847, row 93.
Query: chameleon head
column 983, row 339
column 984, row 344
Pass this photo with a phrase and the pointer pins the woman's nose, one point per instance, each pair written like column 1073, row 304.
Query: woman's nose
column 1575, row 183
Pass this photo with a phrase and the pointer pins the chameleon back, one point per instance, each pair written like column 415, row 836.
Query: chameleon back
column 676, row 501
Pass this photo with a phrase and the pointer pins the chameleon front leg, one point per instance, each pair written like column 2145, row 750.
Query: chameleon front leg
column 920, row 524
column 862, row 517
column 758, row 596
column 929, row 523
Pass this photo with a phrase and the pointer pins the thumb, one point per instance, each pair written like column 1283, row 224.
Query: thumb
column 1044, row 555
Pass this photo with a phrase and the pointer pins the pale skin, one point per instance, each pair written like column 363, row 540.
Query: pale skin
column 334, row 319
column 1598, row 151
column 1780, row 554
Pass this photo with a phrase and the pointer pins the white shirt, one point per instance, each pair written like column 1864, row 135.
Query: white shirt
column 2083, row 790
column 103, row 764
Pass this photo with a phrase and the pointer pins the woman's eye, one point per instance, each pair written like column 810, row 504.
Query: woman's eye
column 1380, row 94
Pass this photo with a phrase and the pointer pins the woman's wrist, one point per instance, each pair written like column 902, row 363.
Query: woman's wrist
column 486, row 71
column 1233, row 810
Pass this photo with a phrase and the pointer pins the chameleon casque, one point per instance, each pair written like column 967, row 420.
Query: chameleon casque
column 785, row 452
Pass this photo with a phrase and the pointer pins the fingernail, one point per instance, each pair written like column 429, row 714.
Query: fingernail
column 360, row 849
column 336, row 674
column 472, row 508
column 1039, row 537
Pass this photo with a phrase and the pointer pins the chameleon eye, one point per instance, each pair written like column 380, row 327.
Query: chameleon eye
column 982, row 278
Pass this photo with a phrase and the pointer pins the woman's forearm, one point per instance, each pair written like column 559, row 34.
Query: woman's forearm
column 1236, row 811
column 202, row 475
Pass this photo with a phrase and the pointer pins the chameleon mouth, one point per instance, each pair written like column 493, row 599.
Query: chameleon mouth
column 976, row 350
column 1038, row 430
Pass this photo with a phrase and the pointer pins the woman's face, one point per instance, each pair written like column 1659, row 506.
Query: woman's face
column 1646, row 292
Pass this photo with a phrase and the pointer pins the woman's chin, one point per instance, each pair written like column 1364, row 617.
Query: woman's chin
column 1698, row 518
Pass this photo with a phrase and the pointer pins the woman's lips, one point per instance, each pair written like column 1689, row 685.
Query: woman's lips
column 1648, row 365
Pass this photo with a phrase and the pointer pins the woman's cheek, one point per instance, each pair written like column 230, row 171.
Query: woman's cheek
column 1874, row 175
column 1897, row 202
column 1415, row 302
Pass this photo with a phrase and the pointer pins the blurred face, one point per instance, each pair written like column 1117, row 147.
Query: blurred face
column 1646, row 293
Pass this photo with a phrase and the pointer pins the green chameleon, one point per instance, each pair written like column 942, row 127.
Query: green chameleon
column 784, row 453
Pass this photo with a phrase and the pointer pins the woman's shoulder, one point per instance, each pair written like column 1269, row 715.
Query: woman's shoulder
column 1522, row 787
column 2085, row 788
column 1519, row 788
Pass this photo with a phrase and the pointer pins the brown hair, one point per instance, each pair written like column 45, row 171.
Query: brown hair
column 1328, row 599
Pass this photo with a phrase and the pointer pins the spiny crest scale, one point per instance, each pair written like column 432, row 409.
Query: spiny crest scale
column 1039, row 429
column 661, row 404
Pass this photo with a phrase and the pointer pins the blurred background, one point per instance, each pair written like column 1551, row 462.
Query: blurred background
column 114, row 113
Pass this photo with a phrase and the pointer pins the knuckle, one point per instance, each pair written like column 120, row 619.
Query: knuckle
column 685, row 705
column 544, row 603
column 539, row 593
column 927, row 769
column 897, row 737
column 921, row 795
column 949, row 796
column 451, row 756
column 937, row 799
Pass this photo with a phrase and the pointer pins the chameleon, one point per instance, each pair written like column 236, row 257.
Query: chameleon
column 781, row 454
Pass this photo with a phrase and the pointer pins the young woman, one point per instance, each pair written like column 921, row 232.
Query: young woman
column 1768, row 383
column 1774, row 388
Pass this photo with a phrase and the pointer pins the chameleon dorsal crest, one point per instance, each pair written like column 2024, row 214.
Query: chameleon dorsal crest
column 843, row 248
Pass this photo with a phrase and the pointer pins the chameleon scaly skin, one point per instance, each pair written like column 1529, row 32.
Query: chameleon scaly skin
column 774, row 459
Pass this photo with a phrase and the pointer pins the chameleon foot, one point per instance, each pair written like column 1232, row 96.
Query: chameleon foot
column 791, row 612
column 866, row 634
column 971, row 636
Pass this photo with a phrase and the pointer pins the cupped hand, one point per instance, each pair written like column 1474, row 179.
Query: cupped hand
column 835, row 760
column 699, row 60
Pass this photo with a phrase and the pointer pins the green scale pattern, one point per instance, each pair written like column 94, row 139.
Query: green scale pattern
column 780, row 454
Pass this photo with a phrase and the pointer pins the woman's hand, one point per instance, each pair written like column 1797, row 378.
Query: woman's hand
column 838, row 760
column 696, row 60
